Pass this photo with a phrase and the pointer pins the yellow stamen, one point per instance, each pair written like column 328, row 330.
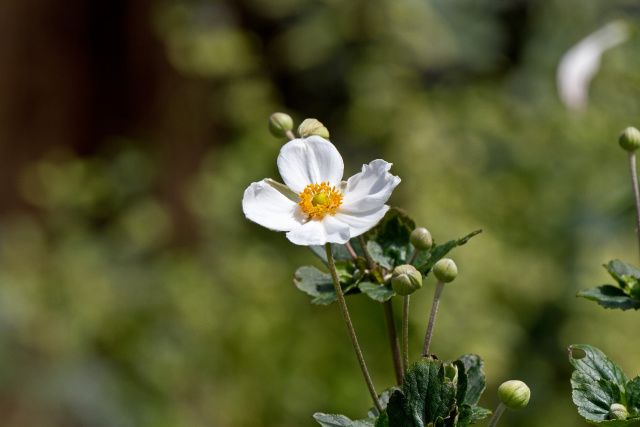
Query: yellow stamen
column 317, row 200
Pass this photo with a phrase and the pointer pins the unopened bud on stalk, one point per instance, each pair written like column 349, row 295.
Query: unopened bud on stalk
column 421, row 239
column 312, row 127
column 406, row 280
column 445, row 270
column 514, row 394
column 618, row 411
column 630, row 139
column 279, row 124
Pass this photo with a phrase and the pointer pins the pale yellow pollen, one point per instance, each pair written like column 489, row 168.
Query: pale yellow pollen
column 317, row 200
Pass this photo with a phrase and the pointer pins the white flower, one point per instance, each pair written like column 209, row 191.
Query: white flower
column 315, row 206
column 580, row 64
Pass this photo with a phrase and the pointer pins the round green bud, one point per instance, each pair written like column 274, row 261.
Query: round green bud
column 515, row 394
column 618, row 411
column 421, row 239
column 312, row 127
column 406, row 279
column 630, row 139
column 279, row 124
column 445, row 270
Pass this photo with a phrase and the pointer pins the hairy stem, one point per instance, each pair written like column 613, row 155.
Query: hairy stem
column 496, row 414
column 432, row 318
column 393, row 341
column 352, row 333
column 405, row 331
column 636, row 194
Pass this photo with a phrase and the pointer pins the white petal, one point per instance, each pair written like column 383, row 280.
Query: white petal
column 319, row 232
column 309, row 161
column 580, row 64
column 362, row 222
column 369, row 189
column 268, row 206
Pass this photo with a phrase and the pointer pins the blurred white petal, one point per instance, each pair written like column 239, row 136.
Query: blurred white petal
column 580, row 64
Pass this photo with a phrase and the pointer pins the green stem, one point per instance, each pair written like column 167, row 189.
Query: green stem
column 634, row 183
column 389, row 319
column 349, row 325
column 405, row 331
column 290, row 135
column 393, row 341
column 414, row 256
column 496, row 415
column 432, row 318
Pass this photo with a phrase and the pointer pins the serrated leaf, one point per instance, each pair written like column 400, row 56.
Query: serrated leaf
column 632, row 393
column 376, row 291
column 610, row 296
column 383, row 398
column 392, row 238
column 595, row 398
column 618, row 270
column 597, row 383
column 594, row 366
column 334, row 420
column 476, row 381
column 318, row 284
column 427, row 260
column 427, row 396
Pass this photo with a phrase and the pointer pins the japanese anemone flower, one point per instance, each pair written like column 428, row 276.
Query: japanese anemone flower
column 314, row 206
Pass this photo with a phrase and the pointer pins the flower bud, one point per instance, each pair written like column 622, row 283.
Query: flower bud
column 279, row 124
column 421, row 239
column 630, row 139
column 445, row 270
column 406, row 279
column 514, row 394
column 618, row 411
column 312, row 127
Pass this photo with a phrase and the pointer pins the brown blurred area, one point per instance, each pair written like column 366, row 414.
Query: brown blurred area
column 75, row 73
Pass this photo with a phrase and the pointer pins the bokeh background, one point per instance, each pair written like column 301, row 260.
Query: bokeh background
column 133, row 292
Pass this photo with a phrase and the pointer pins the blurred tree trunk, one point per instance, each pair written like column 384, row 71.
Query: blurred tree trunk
column 74, row 73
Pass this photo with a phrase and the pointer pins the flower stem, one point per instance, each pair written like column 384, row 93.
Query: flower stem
column 405, row 331
column 496, row 415
column 353, row 253
column 634, row 183
column 290, row 135
column 349, row 325
column 393, row 341
column 432, row 318
column 389, row 319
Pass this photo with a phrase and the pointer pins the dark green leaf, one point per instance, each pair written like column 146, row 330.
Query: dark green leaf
column 595, row 398
column 392, row 238
column 621, row 271
column 610, row 296
column 427, row 260
column 594, row 366
column 476, row 380
column 427, row 396
column 383, row 420
column 330, row 420
column 376, row 291
column 632, row 393
column 384, row 400
column 318, row 284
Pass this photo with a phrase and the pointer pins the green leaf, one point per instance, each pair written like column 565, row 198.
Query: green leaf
column 594, row 399
column 427, row 396
column 376, row 291
column 383, row 420
column 330, row 420
column 427, row 260
column 597, row 383
column 594, row 366
column 476, row 380
column 340, row 252
column 621, row 272
column 610, row 296
column 391, row 245
column 383, row 398
column 632, row 393
column 318, row 284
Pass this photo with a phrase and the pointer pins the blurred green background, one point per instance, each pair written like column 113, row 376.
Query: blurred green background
column 133, row 292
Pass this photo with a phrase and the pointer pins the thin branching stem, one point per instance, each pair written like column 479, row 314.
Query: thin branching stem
column 432, row 317
column 636, row 193
column 405, row 331
column 352, row 333
column 496, row 414
column 389, row 319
